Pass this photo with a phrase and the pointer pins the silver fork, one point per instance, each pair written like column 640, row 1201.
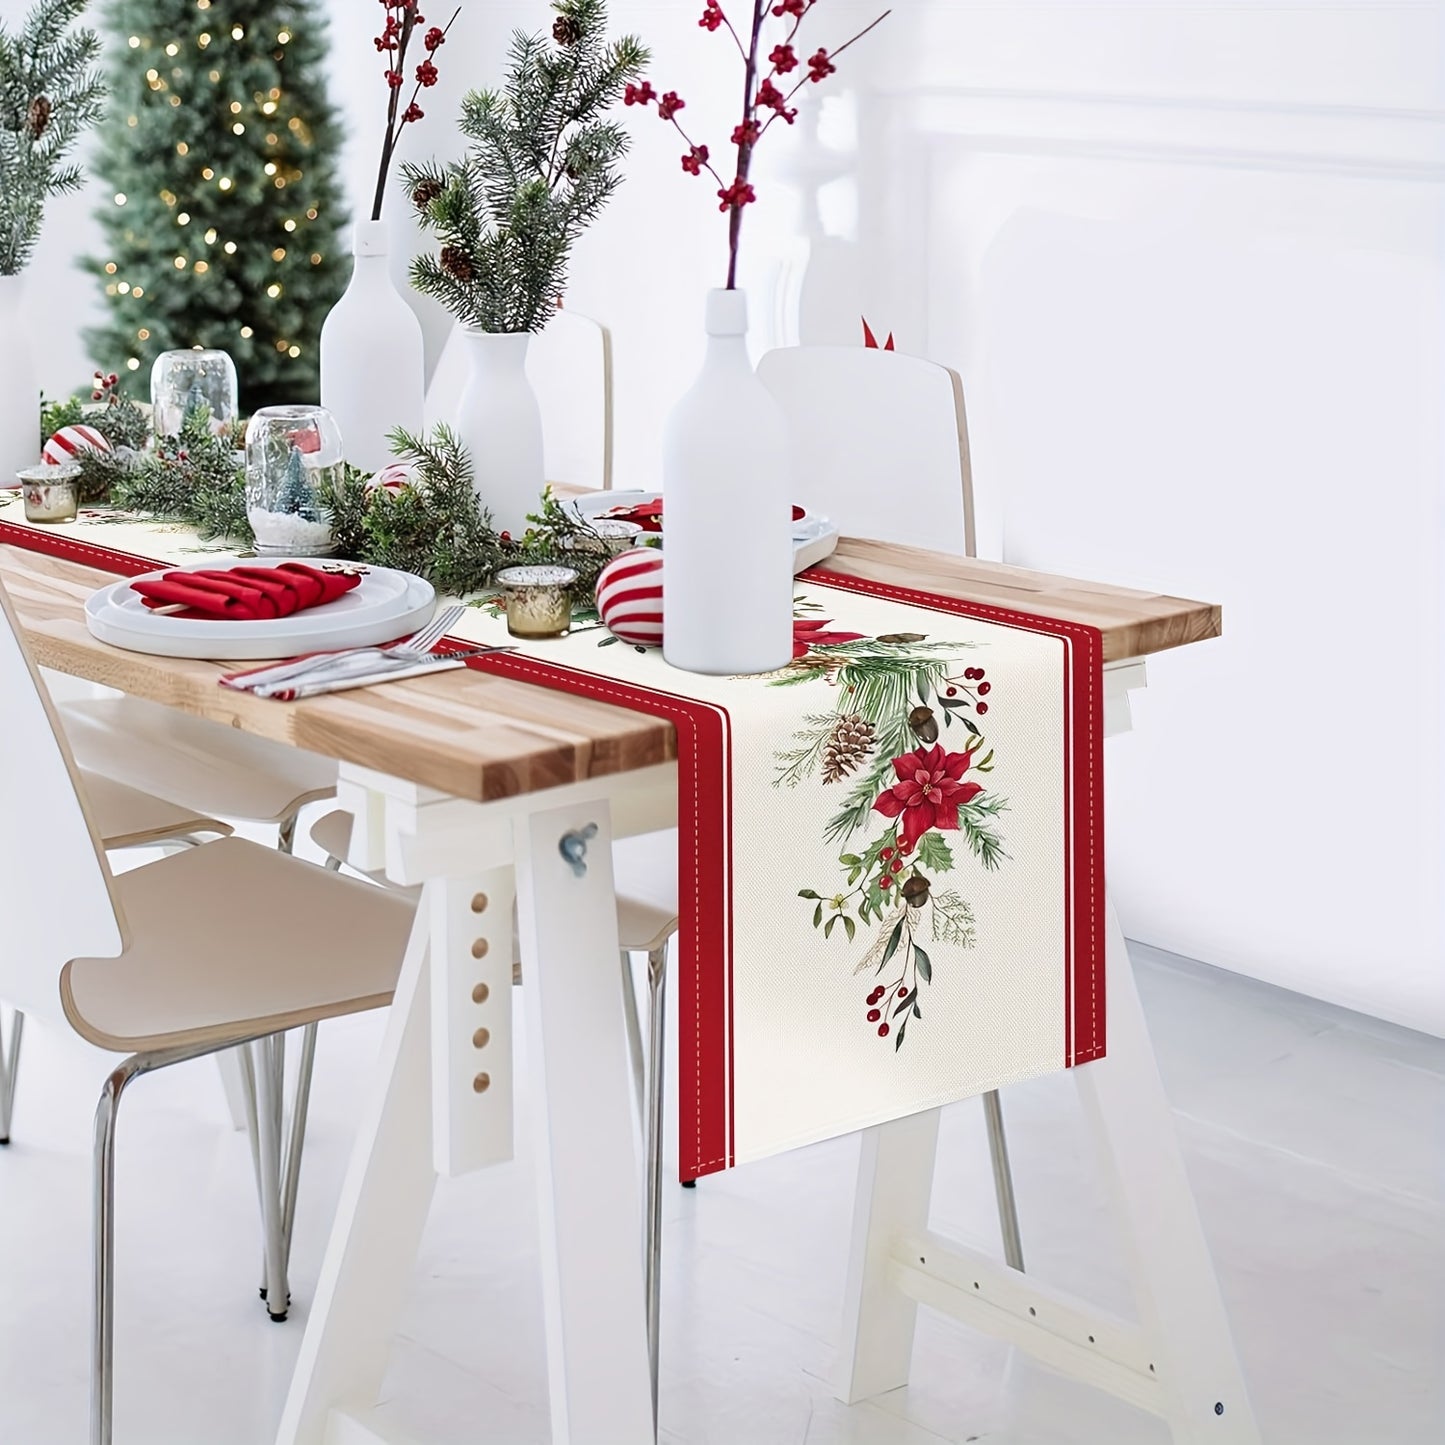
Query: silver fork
column 419, row 643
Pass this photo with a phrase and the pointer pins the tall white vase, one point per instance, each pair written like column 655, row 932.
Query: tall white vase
column 500, row 423
column 373, row 365
column 19, row 387
column 727, row 587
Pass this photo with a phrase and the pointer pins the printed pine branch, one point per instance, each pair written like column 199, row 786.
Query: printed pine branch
column 540, row 165
column 49, row 95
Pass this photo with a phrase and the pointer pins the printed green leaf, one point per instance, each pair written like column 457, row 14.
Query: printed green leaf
column 924, row 965
column 898, row 1038
column 828, row 927
column 970, row 726
column 917, row 1012
column 849, row 928
column 934, row 853
column 806, row 893
column 817, row 915
column 906, row 1003
column 850, row 860
column 892, row 944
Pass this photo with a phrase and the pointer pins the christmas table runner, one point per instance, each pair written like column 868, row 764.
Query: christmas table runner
column 890, row 851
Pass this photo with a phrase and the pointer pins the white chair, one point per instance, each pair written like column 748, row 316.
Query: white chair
column 137, row 963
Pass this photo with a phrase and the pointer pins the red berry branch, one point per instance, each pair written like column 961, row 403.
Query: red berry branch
column 402, row 20
column 764, row 100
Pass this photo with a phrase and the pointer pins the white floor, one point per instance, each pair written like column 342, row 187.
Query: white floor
column 1315, row 1141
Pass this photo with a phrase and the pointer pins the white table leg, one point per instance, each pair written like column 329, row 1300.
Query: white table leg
column 895, row 1181
column 379, row 1221
column 1180, row 1308
column 1178, row 1362
column 588, row 1177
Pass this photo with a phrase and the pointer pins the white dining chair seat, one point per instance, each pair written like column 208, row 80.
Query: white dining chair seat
column 192, row 762
column 303, row 945
column 125, row 817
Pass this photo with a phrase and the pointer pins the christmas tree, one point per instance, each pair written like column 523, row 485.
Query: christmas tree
column 222, row 207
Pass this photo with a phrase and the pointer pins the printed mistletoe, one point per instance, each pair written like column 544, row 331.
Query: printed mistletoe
column 896, row 695
column 769, row 84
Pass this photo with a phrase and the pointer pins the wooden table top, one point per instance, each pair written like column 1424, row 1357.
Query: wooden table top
column 482, row 737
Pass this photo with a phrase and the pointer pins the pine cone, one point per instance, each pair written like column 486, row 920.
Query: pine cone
column 847, row 747
column 37, row 116
column 566, row 31
column 426, row 192
column 457, row 263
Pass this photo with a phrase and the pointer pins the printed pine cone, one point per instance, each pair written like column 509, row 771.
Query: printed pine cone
column 457, row 263
column 847, row 747
column 425, row 193
column 566, row 31
column 37, row 116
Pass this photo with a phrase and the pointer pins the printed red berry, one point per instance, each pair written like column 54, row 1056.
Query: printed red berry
column 873, row 1015
column 984, row 688
column 902, row 991
column 969, row 673
column 952, row 692
column 904, row 846
column 882, row 1031
column 897, row 865
column 886, row 854
column 978, row 672
column 885, row 881
column 982, row 708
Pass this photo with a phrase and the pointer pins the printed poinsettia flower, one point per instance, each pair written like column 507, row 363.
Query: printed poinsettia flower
column 810, row 631
column 929, row 791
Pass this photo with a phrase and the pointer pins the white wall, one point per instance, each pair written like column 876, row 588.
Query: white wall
column 1188, row 257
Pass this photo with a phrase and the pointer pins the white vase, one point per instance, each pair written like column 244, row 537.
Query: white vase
column 727, row 602
column 373, row 365
column 19, row 386
column 500, row 424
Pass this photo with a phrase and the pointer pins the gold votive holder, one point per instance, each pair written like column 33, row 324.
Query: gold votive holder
column 539, row 600
column 51, row 493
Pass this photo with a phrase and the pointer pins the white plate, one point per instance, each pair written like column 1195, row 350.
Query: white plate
column 386, row 605
column 814, row 537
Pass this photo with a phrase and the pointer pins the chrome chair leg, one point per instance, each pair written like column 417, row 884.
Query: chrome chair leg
column 292, row 1177
column 1003, row 1183
column 657, row 1057
column 102, row 1336
column 631, row 1020
column 9, row 1068
column 268, row 1065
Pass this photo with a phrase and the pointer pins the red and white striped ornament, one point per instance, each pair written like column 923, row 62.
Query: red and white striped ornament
column 69, row 442
column 629, row 597
column 393, row 478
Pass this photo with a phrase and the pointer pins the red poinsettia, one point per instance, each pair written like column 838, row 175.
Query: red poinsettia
column 809, row 632
column 929, row 791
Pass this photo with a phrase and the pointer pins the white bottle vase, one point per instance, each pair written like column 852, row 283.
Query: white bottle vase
column 500, row 424
column 373, row 365
column 727, row 588
column 19, row 387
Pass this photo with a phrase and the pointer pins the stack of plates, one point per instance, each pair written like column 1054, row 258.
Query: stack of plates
column 387, row 605
column 814, row 537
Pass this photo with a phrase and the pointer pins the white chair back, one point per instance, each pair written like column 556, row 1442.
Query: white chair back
column 880, row 443
column 569, row 364
column 55, row 889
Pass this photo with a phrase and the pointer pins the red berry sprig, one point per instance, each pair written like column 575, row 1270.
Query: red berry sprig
column 765, row 101
column 402, row 20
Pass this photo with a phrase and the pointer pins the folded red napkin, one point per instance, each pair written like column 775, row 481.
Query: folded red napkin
column 246, row 594
column 648, row 515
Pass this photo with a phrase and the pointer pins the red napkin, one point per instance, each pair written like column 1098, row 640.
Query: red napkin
column 246, row 594
column 648, row 515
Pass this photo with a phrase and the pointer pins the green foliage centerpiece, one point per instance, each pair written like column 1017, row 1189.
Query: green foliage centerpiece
column 540, row 164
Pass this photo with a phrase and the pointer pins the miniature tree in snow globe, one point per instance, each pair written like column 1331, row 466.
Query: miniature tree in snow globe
column 293, row 461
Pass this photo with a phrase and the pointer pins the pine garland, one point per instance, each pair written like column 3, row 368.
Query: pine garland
column 48, row 96
column 540, row 167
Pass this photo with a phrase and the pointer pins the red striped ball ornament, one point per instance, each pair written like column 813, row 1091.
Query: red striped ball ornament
column 393, row 478
column 629, row 597
column 69, row 442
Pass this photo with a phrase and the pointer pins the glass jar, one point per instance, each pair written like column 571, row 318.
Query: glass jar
column 293, row 463
column 539, row 600
column 183, row 382
column 51, row 493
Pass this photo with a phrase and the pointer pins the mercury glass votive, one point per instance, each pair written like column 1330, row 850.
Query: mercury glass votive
column 184, row 381
column 539, row 600
column 51, row 493
column 609, row 537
